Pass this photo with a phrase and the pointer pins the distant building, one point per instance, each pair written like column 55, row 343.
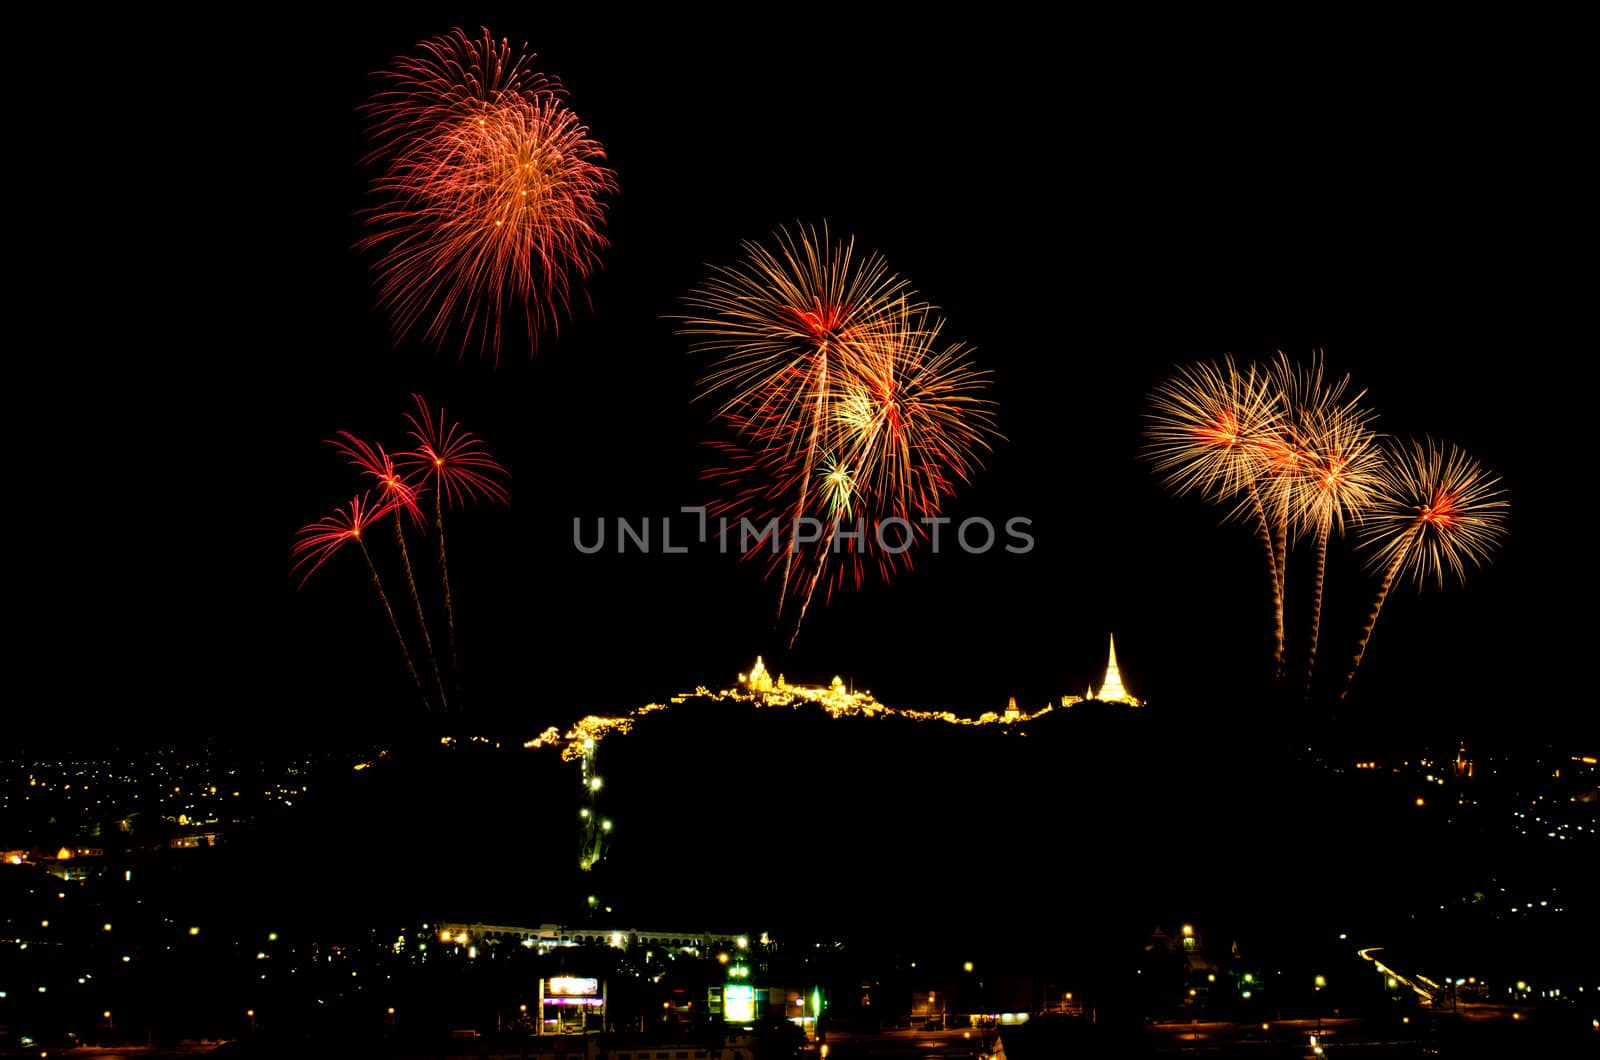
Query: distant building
column 571, row 1004
column 547, row 937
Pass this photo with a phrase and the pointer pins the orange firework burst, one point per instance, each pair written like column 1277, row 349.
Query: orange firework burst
column 785, row 319
column 843, row 400
column 493, row 194
column 1212, row 430
column 1321, row 468
column 1436, row 509
column 1208, row 426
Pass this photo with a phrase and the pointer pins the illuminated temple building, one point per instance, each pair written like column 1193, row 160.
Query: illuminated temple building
column 1111, row 689
column 835, row 697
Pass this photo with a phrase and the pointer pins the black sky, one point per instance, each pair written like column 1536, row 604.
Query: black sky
column 1089, row 204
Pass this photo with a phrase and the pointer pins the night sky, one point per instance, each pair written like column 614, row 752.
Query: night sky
column 1088, row 204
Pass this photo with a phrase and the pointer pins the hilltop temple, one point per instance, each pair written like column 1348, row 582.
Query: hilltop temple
column 1111, row 689
column 835, row 697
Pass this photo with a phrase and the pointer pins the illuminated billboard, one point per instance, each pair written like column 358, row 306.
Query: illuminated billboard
column 739, row 1003
column 571, row 986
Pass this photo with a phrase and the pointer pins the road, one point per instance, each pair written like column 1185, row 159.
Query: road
column 963, row 1044
column 1422, row 992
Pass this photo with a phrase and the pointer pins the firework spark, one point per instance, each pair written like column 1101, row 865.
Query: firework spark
column 1435, row 510
column 492, row 194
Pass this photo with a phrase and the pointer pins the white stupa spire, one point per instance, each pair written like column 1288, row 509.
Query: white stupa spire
column 1111, row 690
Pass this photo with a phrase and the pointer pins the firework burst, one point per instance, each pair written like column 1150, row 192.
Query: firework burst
column 492, row 194
column 1208, row 424
column 393, row 487
column 1436, row 510
column 783, row 316
column 912, row 417
column 316, row 543
column 842, row 400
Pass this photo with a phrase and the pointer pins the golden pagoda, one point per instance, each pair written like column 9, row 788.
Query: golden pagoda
column 1111, row 690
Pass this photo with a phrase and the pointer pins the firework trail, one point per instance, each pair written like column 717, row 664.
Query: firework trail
column 317, row 542
column 842, row 401
column 492, row 194
column 1322, row 467
column 1212, row 429
column 400, row 496
column 1435, row 509
column 460, row 469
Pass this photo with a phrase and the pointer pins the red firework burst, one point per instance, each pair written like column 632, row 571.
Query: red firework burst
column 317, row 542
column 493, row 194
column 392, row 485
column 454, row 459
